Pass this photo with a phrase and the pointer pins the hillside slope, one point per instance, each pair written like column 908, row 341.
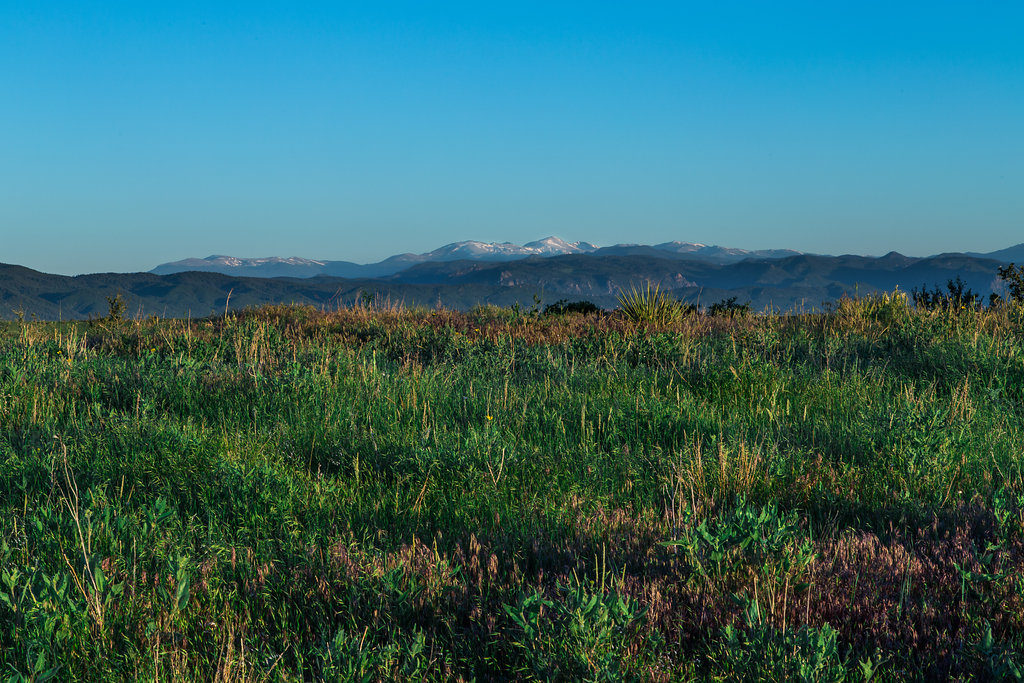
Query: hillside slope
column 783, row 283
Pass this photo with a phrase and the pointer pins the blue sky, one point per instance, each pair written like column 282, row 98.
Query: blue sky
column 137, row 133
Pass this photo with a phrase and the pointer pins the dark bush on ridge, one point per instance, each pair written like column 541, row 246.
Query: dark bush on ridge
column 564, row 306
column 957, row 295
column 1013, row 277
column 729, row 307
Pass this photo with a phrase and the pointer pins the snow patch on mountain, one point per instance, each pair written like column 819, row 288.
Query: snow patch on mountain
column 237, row 262
column 471, row 249
column 554, row 246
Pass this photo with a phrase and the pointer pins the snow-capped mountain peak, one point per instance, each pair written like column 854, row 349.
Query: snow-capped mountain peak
column 469, row 250
column 552, row 246
column 681, row 247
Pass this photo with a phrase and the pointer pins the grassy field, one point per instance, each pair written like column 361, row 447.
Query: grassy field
column 288, row 494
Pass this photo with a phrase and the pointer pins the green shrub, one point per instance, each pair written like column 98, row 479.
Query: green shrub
column 582, row 634
column 745, row 535
column 364, row 658
column 115, row 308
column 1008, row 509
column 759, row 652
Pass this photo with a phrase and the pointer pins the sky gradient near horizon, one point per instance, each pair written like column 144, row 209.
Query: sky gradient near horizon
column 137, row 133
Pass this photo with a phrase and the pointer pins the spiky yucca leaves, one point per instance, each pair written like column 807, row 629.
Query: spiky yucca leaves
column 650, row 304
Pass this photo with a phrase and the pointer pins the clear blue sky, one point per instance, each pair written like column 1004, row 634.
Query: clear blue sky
column 137, row 133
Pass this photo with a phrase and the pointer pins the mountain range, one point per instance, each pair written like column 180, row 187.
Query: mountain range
column 275, row 266
column 466, row 274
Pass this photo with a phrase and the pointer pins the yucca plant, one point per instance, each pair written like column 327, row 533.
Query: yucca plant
column 650, row 305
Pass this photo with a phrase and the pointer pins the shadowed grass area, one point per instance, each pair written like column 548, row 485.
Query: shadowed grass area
column 376, row 494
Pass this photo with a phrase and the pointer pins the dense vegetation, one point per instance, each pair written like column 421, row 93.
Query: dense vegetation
column 406, row 494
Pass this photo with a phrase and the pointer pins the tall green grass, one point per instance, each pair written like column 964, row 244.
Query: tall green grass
column 386, row 494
